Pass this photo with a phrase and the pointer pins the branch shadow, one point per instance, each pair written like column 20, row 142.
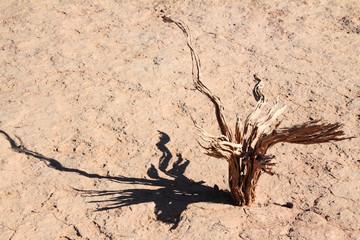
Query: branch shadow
column 174, row 193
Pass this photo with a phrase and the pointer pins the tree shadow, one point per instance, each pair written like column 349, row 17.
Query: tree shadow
column 174, row 193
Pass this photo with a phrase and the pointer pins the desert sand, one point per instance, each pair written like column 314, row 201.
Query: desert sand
column 97, row 140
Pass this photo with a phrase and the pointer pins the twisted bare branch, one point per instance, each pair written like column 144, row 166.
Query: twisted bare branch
column 196, row 74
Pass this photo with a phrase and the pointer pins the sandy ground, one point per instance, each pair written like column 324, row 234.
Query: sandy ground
column 97, row 95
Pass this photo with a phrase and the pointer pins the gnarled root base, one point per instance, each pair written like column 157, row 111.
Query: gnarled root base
column 243, row 181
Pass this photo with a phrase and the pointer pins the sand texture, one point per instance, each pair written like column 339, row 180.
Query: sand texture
column 97, row 140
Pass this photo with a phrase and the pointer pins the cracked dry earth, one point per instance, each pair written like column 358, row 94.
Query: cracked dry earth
column 96, row 136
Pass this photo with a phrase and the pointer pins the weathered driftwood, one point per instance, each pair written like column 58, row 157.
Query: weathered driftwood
column 245, row 150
